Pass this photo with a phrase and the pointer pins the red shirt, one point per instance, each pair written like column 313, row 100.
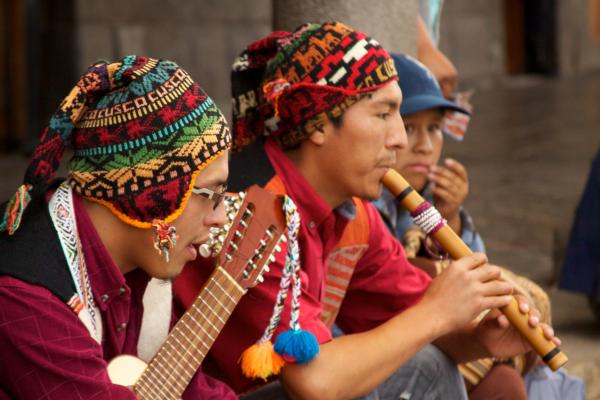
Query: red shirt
column 47, row 353
column 383, row 284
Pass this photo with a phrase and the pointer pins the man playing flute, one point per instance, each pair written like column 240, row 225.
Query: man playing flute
column 316, row 117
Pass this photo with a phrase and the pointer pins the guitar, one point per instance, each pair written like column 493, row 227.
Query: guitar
column 244, row 250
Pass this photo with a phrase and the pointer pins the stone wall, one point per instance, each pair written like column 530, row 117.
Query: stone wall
column 473, row 36
column 202, row 36
column 578, row 51
column 205, row 36
column 392, row 22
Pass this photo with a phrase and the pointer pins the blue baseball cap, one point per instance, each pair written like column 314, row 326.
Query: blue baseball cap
column 420, row 89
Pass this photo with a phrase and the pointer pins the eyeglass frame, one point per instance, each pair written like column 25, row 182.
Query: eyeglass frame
column 216, row 197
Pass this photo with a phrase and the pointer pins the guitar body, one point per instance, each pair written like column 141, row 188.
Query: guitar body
column 125, row 370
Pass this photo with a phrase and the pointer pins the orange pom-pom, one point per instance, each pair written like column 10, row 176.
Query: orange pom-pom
column 261, row 361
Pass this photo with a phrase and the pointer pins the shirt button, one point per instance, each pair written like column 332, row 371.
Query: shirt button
column 104, row 298
column 312, row 224
column 122, row 291
column 121, row 326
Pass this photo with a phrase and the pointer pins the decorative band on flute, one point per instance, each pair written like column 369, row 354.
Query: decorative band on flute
column 430, row 220
column 404, row 193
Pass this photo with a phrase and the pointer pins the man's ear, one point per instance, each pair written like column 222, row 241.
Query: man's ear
column 317, row 137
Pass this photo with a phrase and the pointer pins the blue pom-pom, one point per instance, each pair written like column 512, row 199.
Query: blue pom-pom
column 297, row 346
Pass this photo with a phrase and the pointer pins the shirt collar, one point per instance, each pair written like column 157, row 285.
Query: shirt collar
column 106, row 278
column 312, row 206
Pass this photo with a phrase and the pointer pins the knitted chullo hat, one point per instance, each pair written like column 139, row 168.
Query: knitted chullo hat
column 287, row 84
column 141, row 129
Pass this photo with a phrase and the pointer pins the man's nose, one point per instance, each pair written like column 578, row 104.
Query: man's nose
column 397, row 138
column 423, row 143
column 217, row 217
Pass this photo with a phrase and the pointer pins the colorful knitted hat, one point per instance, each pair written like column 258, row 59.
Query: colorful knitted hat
column 287, row 84
column 141, row 129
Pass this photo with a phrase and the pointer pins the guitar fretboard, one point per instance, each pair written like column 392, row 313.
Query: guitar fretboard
column 172, row 368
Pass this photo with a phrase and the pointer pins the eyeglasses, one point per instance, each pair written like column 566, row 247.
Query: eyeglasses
column 216, row 197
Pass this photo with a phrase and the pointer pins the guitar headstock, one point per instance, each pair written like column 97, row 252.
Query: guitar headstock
column 247, row 244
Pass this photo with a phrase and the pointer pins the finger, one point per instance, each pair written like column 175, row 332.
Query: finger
column 444, row 177
column 496, row 288
column 503, row 321
column 488, row 273
column 496, row 301
column 457, row 168
column 445, row 195
column 523, row 304
column 548, row 331
column 471, row 261
column 533, row 321
column 451, row 171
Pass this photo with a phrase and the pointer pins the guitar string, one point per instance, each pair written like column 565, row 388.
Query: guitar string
column 169, row 381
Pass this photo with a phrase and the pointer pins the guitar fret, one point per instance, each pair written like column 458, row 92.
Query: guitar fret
column 163, row 377
column 154, row 387
column 216, row 328
column 140, row 388
column 178, row 353
column 226, row 293
column 192, row 355
column 152, row 390
column 176, row 380
column 184, row 335
column 216, row 298
column 191, row 342
column 202, row 329
column 196, row 306
column 213, row 312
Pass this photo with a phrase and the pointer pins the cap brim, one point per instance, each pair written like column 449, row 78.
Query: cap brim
column 424, row 102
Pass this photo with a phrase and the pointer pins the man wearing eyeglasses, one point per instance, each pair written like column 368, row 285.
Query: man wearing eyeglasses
column 145, row 184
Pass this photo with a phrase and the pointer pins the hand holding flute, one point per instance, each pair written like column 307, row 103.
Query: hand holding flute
column 428, row 218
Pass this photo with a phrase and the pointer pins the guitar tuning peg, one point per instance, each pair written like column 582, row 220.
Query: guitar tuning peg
column 260, row 279
column 271, row 258
column 204, row 250
column 277, row 248
column 266, row 269
column 242, row 195
column 283, row 238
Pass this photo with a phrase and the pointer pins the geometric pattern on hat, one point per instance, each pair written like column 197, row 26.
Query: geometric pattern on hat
column 281, row 82
column 141, row 129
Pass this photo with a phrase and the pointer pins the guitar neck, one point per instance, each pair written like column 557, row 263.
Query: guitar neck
column 174, row 365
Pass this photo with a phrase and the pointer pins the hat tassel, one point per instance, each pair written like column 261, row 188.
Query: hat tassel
column 260, row 361
column 15, row 208
column 297, row 346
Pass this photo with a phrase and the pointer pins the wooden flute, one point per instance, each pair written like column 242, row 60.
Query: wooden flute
column 456, row 248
